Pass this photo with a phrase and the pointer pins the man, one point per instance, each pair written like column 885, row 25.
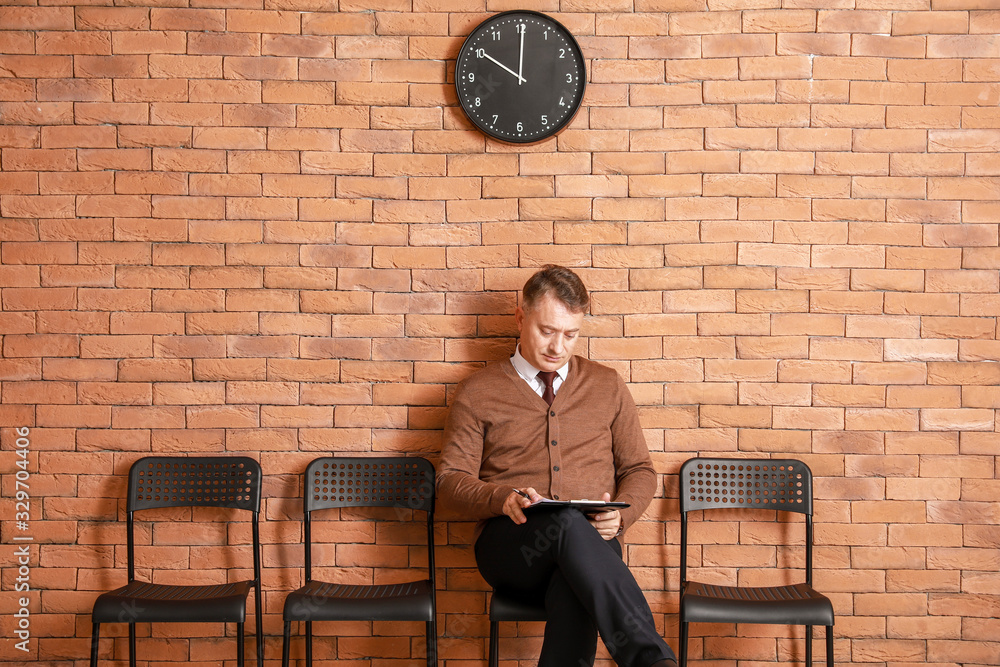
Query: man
column 550, row 424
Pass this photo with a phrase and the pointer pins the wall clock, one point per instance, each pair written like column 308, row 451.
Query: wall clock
column 520, row 76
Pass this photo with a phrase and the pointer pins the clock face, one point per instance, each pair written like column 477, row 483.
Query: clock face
column 520, row 76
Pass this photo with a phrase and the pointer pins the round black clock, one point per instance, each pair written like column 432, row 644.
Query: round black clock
column 520, row 76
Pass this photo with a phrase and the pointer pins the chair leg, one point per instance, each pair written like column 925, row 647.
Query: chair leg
column 682, row 645
column 95, row 640
column 131, row 645
column 240, row 649
column 309, row 644
column 494, row 644
column 432, row 644
column 259, row 622
column 284, row 643
column 829, row 646
column 809, row 646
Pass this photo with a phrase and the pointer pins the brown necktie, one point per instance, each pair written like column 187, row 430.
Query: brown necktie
column 547, row 377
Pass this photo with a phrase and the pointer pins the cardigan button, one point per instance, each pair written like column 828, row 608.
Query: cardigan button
column 552, row 413
column 556, row 468
column 554, row 443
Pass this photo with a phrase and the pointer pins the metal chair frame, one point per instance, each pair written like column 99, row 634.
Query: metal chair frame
column 504, row 607
column 405, row 483
column 184, row 481
column 770, row 484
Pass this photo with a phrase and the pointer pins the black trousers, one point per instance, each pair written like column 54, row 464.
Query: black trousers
column 559, row 558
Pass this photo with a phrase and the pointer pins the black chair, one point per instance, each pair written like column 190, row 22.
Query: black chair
column 507, row 607
column 404, row 483
column 784, row 485
column 163, row 481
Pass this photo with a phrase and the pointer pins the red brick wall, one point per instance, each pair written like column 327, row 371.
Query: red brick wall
column 266, row 228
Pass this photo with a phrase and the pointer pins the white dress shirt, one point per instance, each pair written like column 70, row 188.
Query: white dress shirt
column 529, row 373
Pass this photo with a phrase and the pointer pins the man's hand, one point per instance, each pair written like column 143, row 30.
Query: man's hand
column 606, row 523
column 515, row 504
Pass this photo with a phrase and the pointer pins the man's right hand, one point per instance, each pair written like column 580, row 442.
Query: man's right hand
column 515, row 503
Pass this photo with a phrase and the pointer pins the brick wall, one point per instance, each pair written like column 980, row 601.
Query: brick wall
column 265, row 228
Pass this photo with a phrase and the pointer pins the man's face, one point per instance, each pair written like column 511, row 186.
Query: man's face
column 549, row 331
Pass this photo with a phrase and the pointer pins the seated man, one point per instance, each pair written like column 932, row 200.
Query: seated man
column 546, row 423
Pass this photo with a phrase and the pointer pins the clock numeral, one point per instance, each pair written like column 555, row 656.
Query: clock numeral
column 521, row 28
column 562, row 102
column 545, row 119
column 480, row 53
column 520, row 127
column 562, row 53
column 472, row 77
column 495, row 118
column 569, row 78
column 479, row 102
column 496, row 35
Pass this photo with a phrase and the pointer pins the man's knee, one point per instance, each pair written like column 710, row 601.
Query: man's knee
column 568, row 522
column 549, row 531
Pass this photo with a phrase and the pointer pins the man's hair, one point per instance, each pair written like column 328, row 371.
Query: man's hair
column 561, row 282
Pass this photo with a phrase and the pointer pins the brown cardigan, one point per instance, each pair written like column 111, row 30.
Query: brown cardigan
column 500, row 434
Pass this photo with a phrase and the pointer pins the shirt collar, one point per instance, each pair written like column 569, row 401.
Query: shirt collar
column 528, row 372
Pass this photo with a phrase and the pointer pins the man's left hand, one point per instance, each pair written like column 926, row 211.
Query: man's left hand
column 606, row 523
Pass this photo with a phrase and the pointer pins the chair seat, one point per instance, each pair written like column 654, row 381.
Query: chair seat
column 505, row 606
column 797, row 604
column 321, row 601
column 139, row 601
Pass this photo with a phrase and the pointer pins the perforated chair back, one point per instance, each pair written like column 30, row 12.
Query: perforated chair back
column 764, row 484
column 160, row 481
column 771, row 484
column 406, row 482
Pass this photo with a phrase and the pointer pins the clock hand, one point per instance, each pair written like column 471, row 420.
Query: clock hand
column 520, row 79
column 520, row 63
